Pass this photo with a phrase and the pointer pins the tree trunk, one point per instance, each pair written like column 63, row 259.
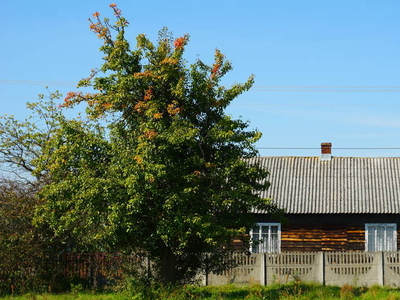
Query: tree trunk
column 168, row 267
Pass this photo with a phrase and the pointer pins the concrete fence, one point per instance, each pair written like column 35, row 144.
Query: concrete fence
column 330, row 268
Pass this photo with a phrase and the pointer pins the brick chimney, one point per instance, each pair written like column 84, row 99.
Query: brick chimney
column 326, row 151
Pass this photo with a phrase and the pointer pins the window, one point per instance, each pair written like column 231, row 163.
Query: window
column 381, row 237
column 266, row 237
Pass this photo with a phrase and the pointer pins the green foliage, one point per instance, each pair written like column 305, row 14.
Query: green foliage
column 76, row 159
column 22, row 142
column 29, row 253
column 26, row 252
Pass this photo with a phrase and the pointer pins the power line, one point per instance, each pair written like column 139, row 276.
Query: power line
column 321, row 90
column 329, row 86
column 292, row 104
column 260, row 104
column 263, row 88
column 333, row 148
column 281, row 88
column 324, row 88
column 22, row 97
column 37, row 82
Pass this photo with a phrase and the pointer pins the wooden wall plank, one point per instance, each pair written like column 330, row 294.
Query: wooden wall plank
column 322, row 237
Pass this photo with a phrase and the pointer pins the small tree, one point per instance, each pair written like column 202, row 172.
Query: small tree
column 27, row 253
column 22, row 142
column 169, row 176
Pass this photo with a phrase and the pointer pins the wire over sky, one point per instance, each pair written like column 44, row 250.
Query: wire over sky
column 266, row 88
column 256, row 88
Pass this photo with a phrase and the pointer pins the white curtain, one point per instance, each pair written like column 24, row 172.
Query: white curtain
column 381, row 237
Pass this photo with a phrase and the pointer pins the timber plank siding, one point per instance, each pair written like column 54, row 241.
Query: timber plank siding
column 331, row 232
column 356, row 237
column 320, row 237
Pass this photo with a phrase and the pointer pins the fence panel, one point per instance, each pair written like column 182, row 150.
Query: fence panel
column 248, row 270
column 391, row 262
column 100, row 269
column 286, row 267
column 353, row 268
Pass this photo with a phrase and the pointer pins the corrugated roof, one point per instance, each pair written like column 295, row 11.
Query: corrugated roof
column 349, row 185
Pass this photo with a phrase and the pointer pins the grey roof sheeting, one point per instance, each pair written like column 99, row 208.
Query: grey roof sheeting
column 343, row 185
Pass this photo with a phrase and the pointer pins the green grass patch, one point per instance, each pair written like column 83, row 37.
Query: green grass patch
column 292, row 291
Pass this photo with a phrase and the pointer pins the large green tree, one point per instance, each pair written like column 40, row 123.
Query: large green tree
column 169, row 175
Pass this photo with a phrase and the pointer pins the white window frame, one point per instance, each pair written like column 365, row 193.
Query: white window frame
column 386, row 226
column 269, row 225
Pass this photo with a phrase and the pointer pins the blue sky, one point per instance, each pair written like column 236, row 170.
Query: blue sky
column 326, row 71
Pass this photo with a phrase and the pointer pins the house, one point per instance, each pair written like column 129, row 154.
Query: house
column 332, row 204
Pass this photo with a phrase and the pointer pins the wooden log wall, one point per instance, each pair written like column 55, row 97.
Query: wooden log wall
column 322, row 237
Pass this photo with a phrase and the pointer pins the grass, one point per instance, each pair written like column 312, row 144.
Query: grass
column 292, row 291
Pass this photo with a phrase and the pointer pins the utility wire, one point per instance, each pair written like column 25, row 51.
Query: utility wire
column 329, row 86
column 22, row 97
column 263, row 88
column 315, row 104
column 37, row 82
column 322, row 90
column 260, row 104
column 284, row 88
column 333, row 148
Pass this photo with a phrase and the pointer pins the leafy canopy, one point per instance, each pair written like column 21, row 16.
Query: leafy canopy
column 168, row 176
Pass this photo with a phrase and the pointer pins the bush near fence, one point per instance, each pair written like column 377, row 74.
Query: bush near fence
column 65, row 270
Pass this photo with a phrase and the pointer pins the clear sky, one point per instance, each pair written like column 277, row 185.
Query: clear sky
column 326, row 71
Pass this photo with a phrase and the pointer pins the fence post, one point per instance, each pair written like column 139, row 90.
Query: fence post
column 321, row 267
column 263, row 269
column 380, row 262
column 323, row 256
